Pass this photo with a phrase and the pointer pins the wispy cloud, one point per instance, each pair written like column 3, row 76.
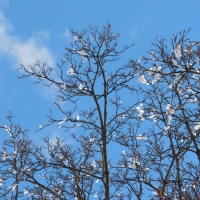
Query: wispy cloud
column 67, row 34
column 26, row 52
column 133, row 33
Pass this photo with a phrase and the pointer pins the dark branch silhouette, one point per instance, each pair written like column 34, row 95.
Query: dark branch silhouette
column 162, row 93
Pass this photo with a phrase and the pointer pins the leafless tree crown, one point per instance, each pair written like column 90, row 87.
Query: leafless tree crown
column 148, row 107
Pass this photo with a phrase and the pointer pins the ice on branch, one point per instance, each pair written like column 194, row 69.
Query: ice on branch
column 134, row 163
column 138, row 61
column 1, row 181
column 82, row 53
column 80, row 87
column 70, row 71
column 175, row 63
column 141, row 111
column 168, row 106
column 64, row 59
column 62, row 121
column 169, row 109
column 155, row 71
column 196, row 126
column 167, row 128
column 178, row 76
column 61, row 98
column 76, row 38
column 25, row 191
column 195, row 100
column 170, row 86
column 177, row 51
column 158, row 68
column 142, row 80
column 93, row 163
column 142, row 137
column 169, row 119
column 13, row 186
column 26, row 168
column 64, row 86
column 85, row 44
column 194, row 133
column 40, row 126
column 154, row 192
column 92, row 139
column 7, row 128
column 122, row 116
column 4, row 155
column 152, row 55
column 77, row 117
column 156, row 78
column 150, row 71
column 197, row 60
column 153, row 115
column 189, row 64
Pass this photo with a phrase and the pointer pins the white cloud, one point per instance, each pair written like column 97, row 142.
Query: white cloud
column 25, row 52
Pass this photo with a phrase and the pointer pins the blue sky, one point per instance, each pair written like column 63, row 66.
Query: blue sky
column 35, row 29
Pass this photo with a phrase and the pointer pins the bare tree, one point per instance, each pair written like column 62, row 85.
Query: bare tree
column 169, row 159
column 162, row 163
